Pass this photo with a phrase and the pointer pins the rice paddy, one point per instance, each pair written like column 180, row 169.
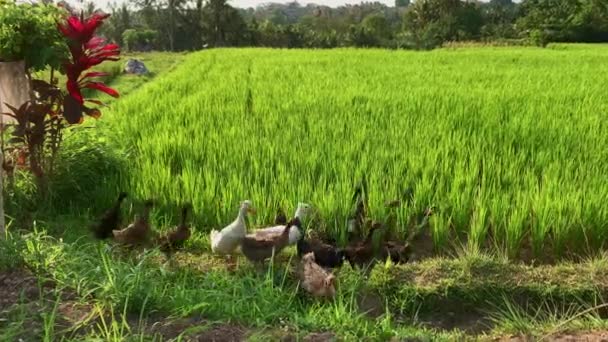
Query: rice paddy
column 508, row 143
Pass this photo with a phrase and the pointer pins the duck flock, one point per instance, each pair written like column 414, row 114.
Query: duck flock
column 316, row 257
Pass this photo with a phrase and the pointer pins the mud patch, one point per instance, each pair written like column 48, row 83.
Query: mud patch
column 591, row 336
column 196, row 329
column 320, row 337
column 449, row 319
column 20, row 286
column 371, row 304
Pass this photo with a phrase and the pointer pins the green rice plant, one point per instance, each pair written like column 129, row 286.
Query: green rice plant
column 508, row 143
column 546, row 318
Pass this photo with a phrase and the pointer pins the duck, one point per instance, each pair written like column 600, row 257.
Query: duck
column 227, row 240
column 362, row 253
column 407, row 197
column 294, row 235
column 314, row 279
column 420, row 222
column 176, row 238
column 399, row 253
column 136, row 233
column 280, row 218
column 395, row 203
column 325, row 255
column 257, row 249
column 109, row 221
column 357, row 220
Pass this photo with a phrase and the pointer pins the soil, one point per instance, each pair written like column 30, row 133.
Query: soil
column 320, row 337
column 196, row 329
column 371, row 304
column 423, row 246
column 591, row 336
column 18, row 286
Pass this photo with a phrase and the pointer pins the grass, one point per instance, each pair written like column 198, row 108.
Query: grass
column 140, row 286
column 509, row 151
column 121, row 296
column 506, row 142
column 157, row 63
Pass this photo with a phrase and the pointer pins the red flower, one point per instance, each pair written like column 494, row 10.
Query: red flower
column 81, row 30
column 87, row 51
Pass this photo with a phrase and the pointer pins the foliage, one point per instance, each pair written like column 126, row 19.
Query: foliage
column 41, row 120
column 433, row 22
column 222, row 24
column 538, row 38
column 564, row 20
column 422, row 24
column 402, row 3
column 27, row 32
column 139, row 40
column 117, row 24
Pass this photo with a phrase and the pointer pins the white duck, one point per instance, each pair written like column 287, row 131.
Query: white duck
column 294, row 233
column 228, row 239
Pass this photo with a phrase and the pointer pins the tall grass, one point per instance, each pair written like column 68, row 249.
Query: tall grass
column 506, row 141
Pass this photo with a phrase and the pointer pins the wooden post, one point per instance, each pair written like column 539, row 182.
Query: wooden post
column 2, row 222
column 14, row 90
column 14, row 86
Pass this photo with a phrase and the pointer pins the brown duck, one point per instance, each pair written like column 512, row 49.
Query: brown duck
column 362, row 253
column 176, row 238
column 358, row 219
column 258, row 249
column 280, row 219
column 137, row 233
column 314, row 279
column 325, row 254
column 109, row 221
column 399, row 253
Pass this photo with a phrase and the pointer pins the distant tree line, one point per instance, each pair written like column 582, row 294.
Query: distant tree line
column 420, row 24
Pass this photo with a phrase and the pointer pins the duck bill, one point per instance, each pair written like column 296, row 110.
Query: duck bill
column 252, row 211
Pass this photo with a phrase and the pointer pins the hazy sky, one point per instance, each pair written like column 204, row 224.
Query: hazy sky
column 254, row 3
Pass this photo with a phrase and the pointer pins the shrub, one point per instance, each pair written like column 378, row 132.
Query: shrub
column 137, row 40
column 28, row 32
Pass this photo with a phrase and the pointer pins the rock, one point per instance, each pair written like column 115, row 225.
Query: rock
column 135, row 66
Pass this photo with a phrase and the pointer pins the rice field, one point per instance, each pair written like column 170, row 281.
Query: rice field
column 506, row 142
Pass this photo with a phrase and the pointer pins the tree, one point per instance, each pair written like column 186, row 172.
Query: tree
column 214, row 19
column 499, row 19
column 222, row 24
column 432, row 22
column 377, row 26
column 591, row 21
column 402, row 3
column 118, row 23
column 139, row 40
column 173, row 6
column 552, row 18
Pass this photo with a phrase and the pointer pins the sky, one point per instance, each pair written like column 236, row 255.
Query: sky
column 254, row 3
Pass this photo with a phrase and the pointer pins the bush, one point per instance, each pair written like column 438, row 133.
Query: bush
column 538, row 38
column 29, row 32
column 139, row 40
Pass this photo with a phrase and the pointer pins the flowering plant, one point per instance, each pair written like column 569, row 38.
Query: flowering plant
column 86, row 52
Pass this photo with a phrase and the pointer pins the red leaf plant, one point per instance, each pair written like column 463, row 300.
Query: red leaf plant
column 87, row 51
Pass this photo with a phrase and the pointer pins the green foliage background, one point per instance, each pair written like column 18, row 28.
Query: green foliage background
column 29, row 32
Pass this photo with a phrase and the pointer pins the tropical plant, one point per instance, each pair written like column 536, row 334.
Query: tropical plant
column 40, row 121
